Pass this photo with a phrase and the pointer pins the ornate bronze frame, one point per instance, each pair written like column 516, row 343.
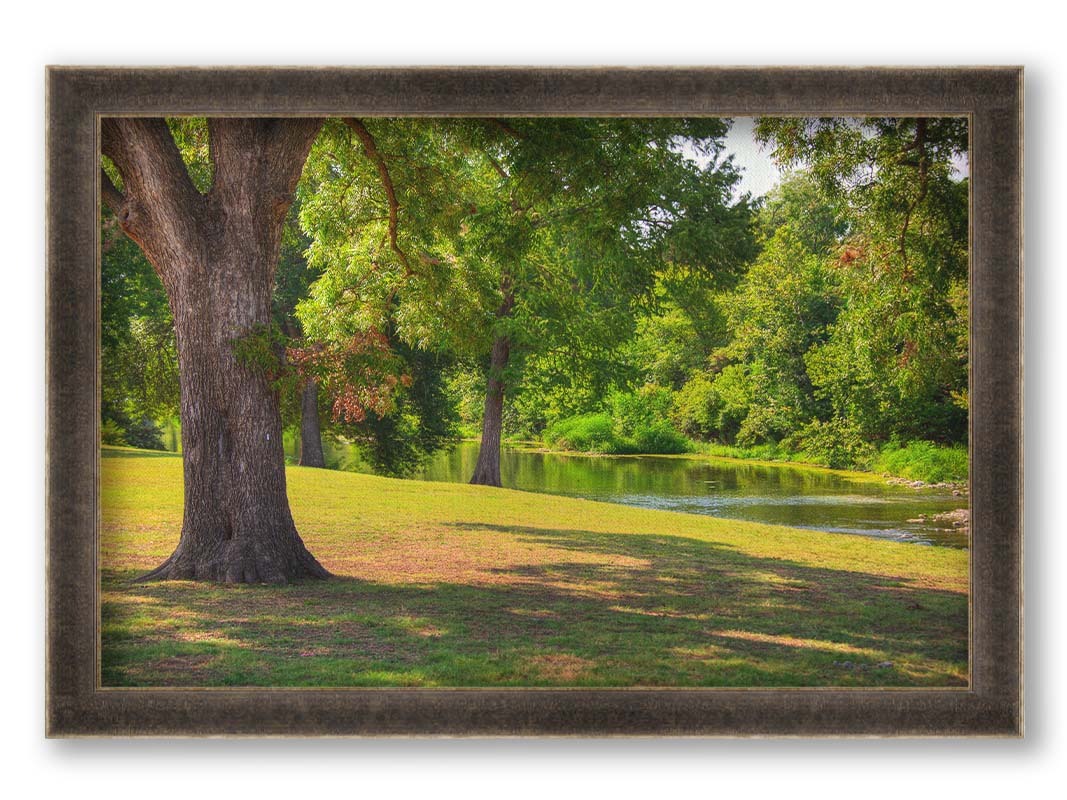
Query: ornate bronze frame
column 990, row 97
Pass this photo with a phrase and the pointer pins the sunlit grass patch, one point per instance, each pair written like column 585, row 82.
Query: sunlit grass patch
column 456, row 585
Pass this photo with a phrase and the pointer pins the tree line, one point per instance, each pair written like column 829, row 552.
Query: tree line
column 845, row 341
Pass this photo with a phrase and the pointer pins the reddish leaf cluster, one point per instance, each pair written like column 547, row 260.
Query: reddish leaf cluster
column 851, row 253
column 352, row 402
column 361, row 375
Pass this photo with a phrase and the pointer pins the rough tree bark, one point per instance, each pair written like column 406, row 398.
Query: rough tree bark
column 310, row 433
column 216, row 255
column 487, row 470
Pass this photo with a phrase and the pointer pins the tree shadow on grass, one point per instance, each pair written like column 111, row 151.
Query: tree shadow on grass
column 678, row 577
column 599, row 609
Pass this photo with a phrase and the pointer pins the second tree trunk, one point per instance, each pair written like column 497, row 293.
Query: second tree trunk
column 310, row 434
column 487, row 471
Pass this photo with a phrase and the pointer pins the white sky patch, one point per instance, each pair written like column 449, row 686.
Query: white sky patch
column 961, row 166
column 759, row 173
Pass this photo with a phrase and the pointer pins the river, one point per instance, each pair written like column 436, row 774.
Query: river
column 777, row 494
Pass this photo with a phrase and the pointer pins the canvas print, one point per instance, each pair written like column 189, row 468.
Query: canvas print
column 534, row 402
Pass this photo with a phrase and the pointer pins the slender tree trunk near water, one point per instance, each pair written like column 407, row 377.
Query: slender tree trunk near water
column 310, row 433
column 216, row 255
column 487, row 470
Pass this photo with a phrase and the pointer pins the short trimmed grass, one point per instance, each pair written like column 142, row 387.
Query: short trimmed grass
column 454, row 585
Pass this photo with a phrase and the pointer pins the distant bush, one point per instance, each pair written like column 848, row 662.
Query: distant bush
column 923, row 461
column 121, row 431
column 697, row 408
column 590, row 433
column 836, row 443
column 758, row 452
column 659, row 438
column 145, row 434
column 637, row 423
column 111, row 433
column 631, row 411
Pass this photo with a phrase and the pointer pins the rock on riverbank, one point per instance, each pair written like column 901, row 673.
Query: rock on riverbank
column 958, row 489
column 958, row 518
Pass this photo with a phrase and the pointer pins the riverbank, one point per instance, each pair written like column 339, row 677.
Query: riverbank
column 855, row 475
column 442, row 584
column 897, row 467
column 759, row 457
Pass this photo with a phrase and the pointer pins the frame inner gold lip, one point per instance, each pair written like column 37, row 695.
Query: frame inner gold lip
column 422, row 689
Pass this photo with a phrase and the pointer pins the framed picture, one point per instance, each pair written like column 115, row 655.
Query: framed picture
column 624, row 441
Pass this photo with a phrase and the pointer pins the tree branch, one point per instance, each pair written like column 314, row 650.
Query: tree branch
column 146, row 156
column 157, row 188
column 370, row 147
column 496, row 166
column 918, row 143
column 111, row 196
column 510, row 131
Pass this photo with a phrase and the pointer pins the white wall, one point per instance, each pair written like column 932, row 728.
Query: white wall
column 686, row 32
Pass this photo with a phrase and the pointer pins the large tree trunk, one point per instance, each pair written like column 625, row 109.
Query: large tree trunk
column 487, row 470
column 310, row 433
column 216, row 255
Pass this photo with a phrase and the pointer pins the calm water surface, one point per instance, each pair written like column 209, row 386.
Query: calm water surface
column 781, row 495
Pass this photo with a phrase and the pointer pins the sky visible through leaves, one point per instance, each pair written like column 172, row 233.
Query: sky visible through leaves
column 759, row 173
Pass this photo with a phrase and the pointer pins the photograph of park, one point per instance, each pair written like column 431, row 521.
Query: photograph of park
column 534, row 402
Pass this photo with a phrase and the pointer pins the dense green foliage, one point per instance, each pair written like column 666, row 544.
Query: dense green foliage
column 634, row 422
column 648, row 308
column 590, row 433
column 848, row 332
column 139, row 386
column 894, row 363
column 923, row 461
column 421, row 419
column 396, row 436
column 554, row 235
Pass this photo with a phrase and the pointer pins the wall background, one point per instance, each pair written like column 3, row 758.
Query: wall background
column 684, row 32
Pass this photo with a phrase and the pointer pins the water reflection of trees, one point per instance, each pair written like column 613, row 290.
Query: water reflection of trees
column 759, row 492
column 566, row 473
column 782, row 495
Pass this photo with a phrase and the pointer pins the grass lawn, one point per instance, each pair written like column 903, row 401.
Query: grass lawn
column 454, row 585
